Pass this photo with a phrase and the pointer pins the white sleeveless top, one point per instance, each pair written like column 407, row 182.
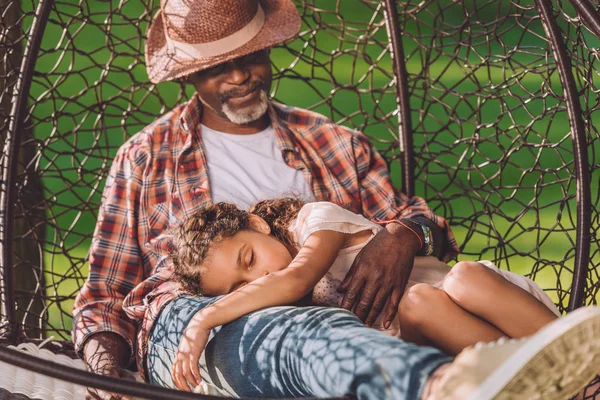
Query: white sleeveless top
column 319, row 216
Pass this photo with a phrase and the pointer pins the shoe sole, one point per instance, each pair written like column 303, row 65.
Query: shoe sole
column 557, row 362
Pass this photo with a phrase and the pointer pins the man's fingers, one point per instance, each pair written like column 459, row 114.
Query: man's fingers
column 95, row 394
column 92, row 395
column 351, row 295
column 380, row 300
column 363, row 307
column 392, row 307
column 125, row 374
column 348, row 279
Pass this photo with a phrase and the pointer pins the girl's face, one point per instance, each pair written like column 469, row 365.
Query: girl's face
column 244, row 257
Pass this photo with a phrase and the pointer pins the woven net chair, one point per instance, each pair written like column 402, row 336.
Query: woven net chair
column 484, row 108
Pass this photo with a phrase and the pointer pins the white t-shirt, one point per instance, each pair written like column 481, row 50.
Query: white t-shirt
column 244, row 169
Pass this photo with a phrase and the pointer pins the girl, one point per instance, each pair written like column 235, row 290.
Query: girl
column 280, row 250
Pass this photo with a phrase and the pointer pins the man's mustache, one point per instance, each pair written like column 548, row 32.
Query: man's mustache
column 259, row 83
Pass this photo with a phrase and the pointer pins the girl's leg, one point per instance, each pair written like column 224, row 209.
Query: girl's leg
column 492, row 298
column 428, row 316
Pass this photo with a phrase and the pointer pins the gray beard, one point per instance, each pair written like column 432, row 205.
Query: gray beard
column 248, row 114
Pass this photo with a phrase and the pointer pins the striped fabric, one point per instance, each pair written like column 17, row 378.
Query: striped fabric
column 159, row 176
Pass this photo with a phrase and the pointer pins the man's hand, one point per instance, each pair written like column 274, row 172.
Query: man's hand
column 380, row 273
column 106, row 353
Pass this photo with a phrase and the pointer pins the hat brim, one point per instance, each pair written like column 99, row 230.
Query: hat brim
column 282, row 22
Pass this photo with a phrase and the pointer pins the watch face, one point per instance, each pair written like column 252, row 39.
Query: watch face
column 428, row 240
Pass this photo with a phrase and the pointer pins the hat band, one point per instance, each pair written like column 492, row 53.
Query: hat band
column 221, row 46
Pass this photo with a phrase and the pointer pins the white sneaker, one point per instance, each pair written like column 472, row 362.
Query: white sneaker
column 555, row 363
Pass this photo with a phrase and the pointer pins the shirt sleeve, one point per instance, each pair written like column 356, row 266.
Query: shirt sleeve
column 381, row 201
column 115, row 258
column 326, row 216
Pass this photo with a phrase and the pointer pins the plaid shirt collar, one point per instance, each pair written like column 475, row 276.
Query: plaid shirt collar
column 191, row 117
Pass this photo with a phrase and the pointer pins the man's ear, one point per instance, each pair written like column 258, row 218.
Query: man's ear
column 259, row 224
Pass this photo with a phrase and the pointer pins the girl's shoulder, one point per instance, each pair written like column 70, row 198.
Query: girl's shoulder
column 323, row 215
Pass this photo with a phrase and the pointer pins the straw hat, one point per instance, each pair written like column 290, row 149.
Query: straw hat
column 187, row 36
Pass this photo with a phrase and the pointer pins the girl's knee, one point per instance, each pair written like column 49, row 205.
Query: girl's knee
column 466, row 278
column 416, row 303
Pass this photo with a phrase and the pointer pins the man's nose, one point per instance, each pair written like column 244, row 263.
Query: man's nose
column 238, row 74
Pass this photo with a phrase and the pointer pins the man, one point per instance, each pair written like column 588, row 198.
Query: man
column 229, row 143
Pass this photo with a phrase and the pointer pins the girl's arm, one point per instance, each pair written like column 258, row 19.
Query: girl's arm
column 279, row 288
column 282, row 287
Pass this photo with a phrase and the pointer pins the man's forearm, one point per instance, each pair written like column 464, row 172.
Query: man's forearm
column 104, row 351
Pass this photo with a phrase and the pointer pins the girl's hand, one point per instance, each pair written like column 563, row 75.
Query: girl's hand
column 185, row 371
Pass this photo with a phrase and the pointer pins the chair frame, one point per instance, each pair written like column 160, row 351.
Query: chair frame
column 11, row 329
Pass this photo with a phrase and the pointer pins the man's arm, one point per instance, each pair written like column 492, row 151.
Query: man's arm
column 102, row 333
column 383, row 202
column 106, row 353
column 380, row 272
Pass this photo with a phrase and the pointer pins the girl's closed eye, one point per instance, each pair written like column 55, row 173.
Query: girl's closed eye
column 252, row 259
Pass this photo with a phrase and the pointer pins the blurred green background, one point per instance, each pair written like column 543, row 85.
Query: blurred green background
column 491, row 130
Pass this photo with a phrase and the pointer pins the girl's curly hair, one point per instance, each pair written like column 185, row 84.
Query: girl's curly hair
column 216, row 222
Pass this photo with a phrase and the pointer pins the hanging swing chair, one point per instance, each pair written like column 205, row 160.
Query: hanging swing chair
column 484, row 108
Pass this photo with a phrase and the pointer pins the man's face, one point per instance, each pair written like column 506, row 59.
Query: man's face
column 238, row 89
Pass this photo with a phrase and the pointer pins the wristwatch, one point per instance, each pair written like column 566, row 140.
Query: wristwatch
column 427, row 242
column 427, row 239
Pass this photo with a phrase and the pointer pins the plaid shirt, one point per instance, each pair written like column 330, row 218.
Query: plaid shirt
column 160, row 176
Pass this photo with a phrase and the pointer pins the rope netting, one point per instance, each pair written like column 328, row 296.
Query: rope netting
column 492, row 134
column 492, row 139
